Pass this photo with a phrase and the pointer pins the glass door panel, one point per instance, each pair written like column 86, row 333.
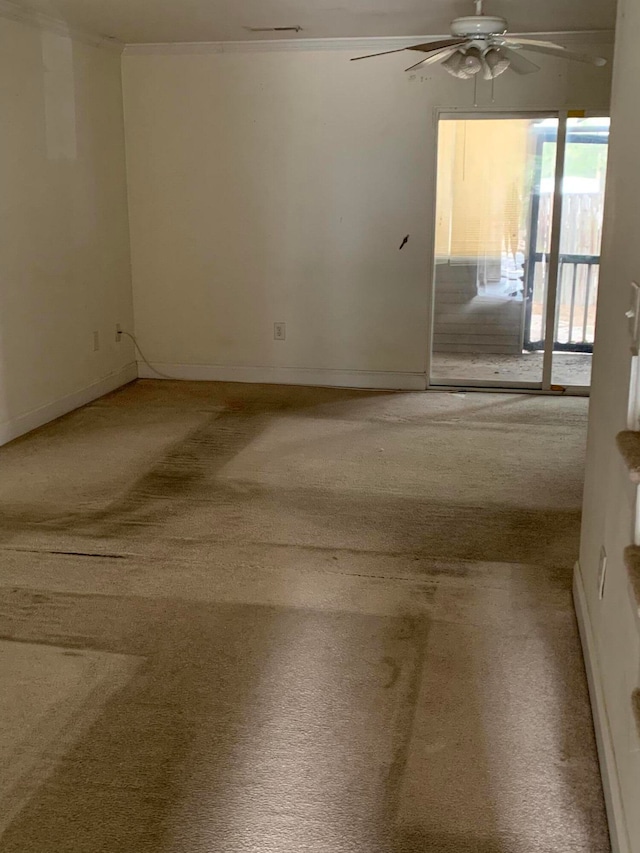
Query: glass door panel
column 583, row 189
column 493, row 232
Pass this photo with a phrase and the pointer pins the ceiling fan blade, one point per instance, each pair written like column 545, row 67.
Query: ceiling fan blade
column 551, row 49
column 384, row 53
column 438, row 56
column 524, row 39
column 518, row 63
column 424, row 48
column 428, row 46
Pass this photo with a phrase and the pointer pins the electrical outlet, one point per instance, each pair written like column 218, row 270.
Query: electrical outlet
column 96, row 341
column 118, row 333
column 279, row 331
column 602, row 572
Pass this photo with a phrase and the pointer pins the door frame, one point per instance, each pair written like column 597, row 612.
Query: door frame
column 545, row 385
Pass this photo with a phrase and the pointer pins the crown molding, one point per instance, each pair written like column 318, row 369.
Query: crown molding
column 584, row 37
column 275, row 45
column 14, row 12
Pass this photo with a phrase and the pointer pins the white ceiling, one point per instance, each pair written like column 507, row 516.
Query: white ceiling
column 138, row 21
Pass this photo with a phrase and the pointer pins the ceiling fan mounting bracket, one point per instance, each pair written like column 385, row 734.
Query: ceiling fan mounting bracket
column 478, row 26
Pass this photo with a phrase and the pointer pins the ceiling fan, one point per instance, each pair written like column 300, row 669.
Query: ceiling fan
column 479, row 44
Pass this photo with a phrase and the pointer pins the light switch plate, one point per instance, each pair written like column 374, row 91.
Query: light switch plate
column 633, row 314
column 602, row 572
column 633, row 405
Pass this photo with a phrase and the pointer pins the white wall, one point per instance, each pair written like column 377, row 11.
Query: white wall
column 64, row 256
column 608, row 507
column 277, row 186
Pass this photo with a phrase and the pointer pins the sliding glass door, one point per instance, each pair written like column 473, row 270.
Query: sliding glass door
column 583, row 188
column 517, row 243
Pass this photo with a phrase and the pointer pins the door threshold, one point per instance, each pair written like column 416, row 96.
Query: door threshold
column 514, row 388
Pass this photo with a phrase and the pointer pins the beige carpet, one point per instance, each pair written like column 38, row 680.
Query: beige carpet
column 348, row 617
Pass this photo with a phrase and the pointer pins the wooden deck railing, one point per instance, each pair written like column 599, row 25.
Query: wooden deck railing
column 576, row 306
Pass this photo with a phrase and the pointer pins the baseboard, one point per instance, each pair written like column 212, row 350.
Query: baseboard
column 369, row 379
column 611, row 784
column 38, row 417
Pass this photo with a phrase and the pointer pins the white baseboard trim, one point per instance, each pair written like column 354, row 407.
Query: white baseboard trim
column 611, row 784
column 368, row 379
column 16, row 427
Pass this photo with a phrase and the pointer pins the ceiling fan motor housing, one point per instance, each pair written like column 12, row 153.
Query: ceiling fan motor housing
column 476, row 26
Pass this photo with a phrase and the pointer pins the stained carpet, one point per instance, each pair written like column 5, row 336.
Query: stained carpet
column 340, row 621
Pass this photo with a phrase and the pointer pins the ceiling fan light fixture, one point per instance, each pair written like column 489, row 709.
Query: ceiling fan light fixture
column 453, row 64
column 472, row 63
column 495, row 63
column 464, row 64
